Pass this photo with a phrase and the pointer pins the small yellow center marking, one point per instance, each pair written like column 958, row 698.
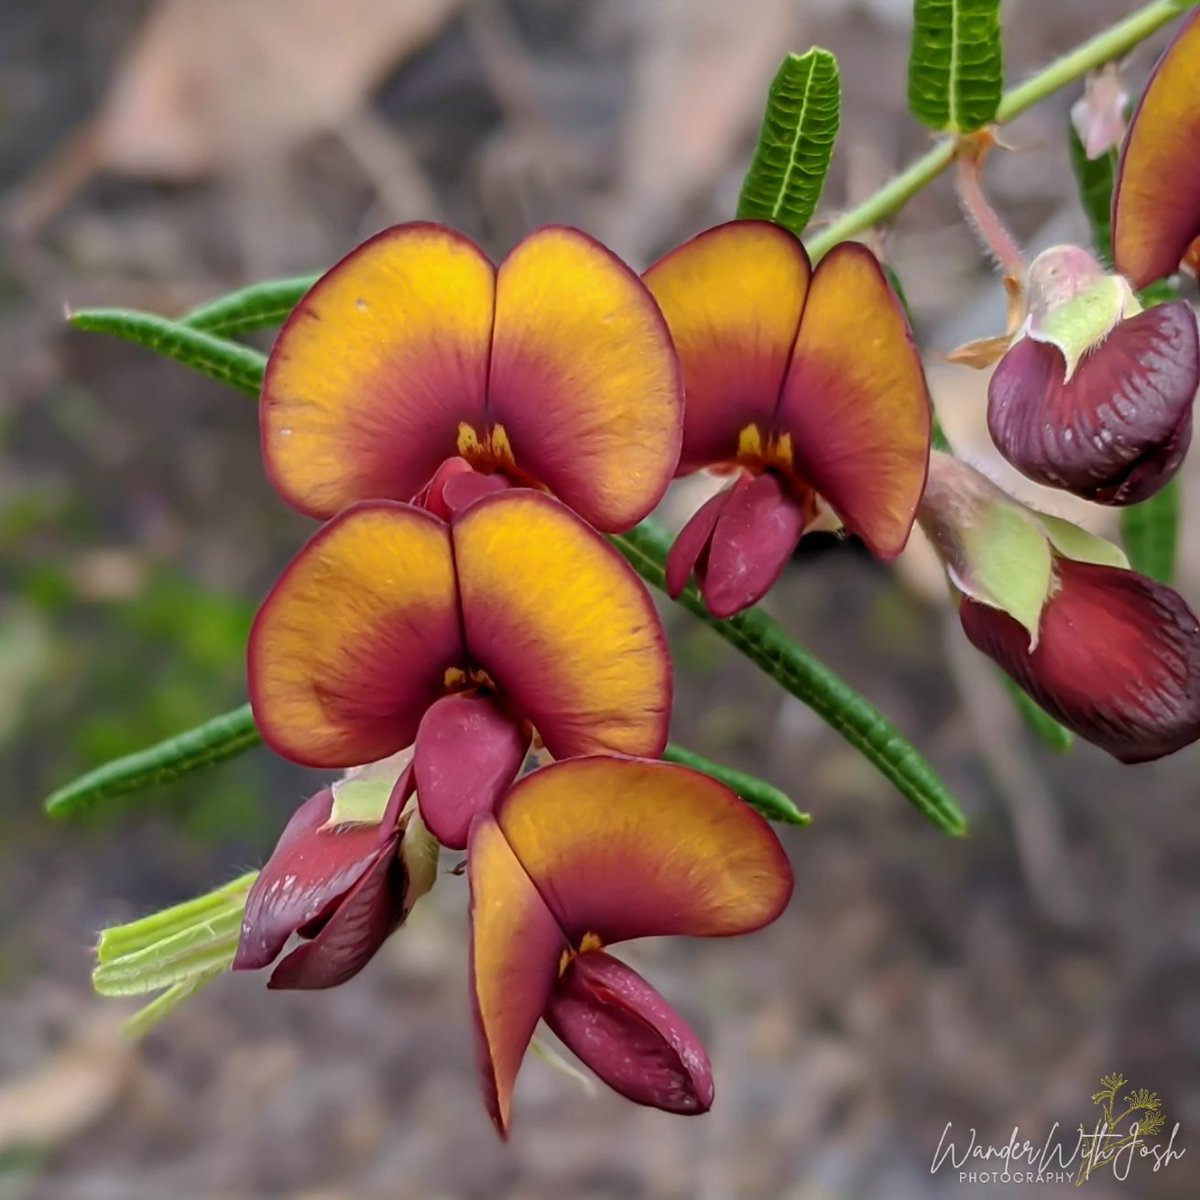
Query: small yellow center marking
column 490, row 453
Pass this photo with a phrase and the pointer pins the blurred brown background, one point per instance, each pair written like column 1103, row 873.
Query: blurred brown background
column 158, row 154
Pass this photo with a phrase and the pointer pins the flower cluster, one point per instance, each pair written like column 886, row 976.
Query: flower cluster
column 493, row 677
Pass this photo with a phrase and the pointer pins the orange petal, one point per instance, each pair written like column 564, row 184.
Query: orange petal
column 376, row 367
column 562, row 624
column 732, row 297
column 352, row 644
column 584, row 379
column 627, row 848
column 855, row 400
column 1156, row 204
column 516, row 947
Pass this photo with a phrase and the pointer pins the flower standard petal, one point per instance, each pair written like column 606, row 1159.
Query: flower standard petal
column 855, row 401
column 351, row 646
column 562, row 625
column 516, row 946
column 1117, row 431
column 615, row 1022
column 469, row 749
column 753, row 538
column 1156, row 202
column 1117, row 659
column 733, row 297
column 584, row 379
column 628, row 848
column 375, row 369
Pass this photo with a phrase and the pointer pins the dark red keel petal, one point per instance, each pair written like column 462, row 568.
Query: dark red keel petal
column 468, row 750
column 616, row 1023
column 1117, row 431
column 755, row 534
column 1117, row 659
column 308, row 871
column 689, row 551
column 456, row 485
column 369, row 913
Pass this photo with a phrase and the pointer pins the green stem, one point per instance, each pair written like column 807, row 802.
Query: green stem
column 1104, row 47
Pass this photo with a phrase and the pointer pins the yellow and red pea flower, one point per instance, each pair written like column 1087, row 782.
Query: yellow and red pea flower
column 394, row 628
column 1095, row 394
column 554, row 370
column 580, row 855
column 807, row 384
column 1156, row 201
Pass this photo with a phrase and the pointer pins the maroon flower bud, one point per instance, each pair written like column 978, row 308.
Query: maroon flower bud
column 1117, row 658
column 1095, row 396
column 342, row 885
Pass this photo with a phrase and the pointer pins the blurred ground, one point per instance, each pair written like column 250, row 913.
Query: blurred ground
column 159, row 154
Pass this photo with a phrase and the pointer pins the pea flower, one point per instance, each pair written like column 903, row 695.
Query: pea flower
column 394, row 628
column 1110, row 654
column 1095, row 394
column 806, row 386
column 554, row 371
column 1156, row 201
column 580, row 855
column 347, row 869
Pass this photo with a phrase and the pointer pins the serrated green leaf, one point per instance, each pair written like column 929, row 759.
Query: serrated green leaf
column 1095, row 178
column 955, row 64
column 774, row 804
column 259, row 306
column 1150, row 531
column 795, row 143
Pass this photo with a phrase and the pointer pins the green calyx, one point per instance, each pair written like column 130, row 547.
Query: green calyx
column 1073, row 304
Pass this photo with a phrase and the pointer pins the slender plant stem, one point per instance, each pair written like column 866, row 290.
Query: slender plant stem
column 1104, row 47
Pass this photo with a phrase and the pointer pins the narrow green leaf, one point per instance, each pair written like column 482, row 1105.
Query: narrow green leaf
column 226, row 362
column 752, row 632
column 1057, row 737
column 1095, row 178
column 862, row 725
column 955, row 64
column 150, row 1015
column 199, row 947
column 774, row 804
column 795, row 143
column 259, row 306
column 1150, row 531
column 210, row 743
column 233, row 732
column 119, row 941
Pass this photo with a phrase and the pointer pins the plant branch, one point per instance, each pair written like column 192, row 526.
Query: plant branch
column 1112, row 43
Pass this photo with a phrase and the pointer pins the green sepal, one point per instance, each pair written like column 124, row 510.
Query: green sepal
column 359, row 801
column 1083, row 322
column 1073, row 541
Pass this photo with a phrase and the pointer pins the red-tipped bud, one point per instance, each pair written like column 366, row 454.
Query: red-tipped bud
column 1117, row 659
column 1096, row 395
column 342, row 883
column 617, row 1024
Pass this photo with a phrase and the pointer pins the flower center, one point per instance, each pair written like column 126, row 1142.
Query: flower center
column 489, row 453
column 468, row 679
column 589, row 941
column 761, row 452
